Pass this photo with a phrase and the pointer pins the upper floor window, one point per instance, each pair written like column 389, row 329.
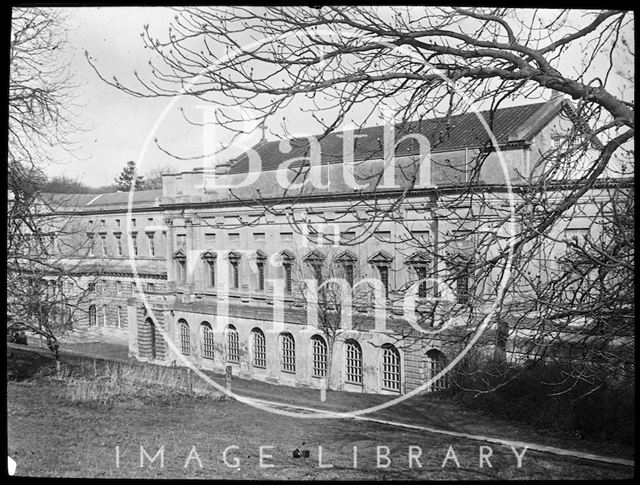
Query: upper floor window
column 118, row 287
column 118, row 245
column 103, row 245
column 134, row 241
column 117, row 223
column 152, row 248
column 181, row 241
column 421, row 272
column 91, row 244
column 234, row 261
column 119, row 315
column 287, row 277
column 260, row 265
column 102, row 224
column 383, row 271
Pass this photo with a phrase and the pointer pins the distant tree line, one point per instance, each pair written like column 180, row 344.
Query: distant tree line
column 152, row 179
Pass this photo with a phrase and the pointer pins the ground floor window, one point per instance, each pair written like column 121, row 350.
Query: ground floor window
column 319, row 356
column 288, row 353
column 207, row 341
column 259, row 349
column 92, row 316
column 436, row 361
column 353, row 367
column 390, row 368
column 185, row 340
column 233, row 344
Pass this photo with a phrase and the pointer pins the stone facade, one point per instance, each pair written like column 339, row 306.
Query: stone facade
column 225, row 272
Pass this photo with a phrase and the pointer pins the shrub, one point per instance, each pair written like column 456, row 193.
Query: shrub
column 545, row 395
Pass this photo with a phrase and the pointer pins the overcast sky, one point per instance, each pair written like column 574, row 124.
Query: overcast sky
column 115, row 124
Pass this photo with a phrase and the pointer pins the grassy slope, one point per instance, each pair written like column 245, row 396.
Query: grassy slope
column 50, row 436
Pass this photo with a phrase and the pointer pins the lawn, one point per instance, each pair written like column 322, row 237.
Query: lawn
column 49, row 435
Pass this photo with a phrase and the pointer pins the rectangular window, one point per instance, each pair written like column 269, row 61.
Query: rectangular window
column 103, row 245
column 383, row 236
column 286, row 236
column 102, row 224
column 119, row 287
column 118, row 244
column 151, row 287
column 384, row 277
column 134, row 240
column 287, row 277
column 133, row 223
column 118, row 223
column 209, row 239
column 91, row 244
column 421, row 272
column 92, row 287
column 152, row 248
column 181, row 241
column 260, row 265
column 462, row 285
column 234, row 237
column 348, row 274
column 212, row 273
column 258, row 236
column 235, row 274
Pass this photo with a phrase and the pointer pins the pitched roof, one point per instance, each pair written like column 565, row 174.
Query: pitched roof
column 464, row 130
column 109, row 200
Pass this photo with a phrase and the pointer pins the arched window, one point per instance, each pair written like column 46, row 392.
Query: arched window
column 288, row 353
column 119, row 317
column 207, row 340
column 319, row 356
column 233, row 344
column 436, row 361
column 104, row 315
column 259, row 349
column 92, row 316
column 185, row 340
column 353, row 362
column 390, row 368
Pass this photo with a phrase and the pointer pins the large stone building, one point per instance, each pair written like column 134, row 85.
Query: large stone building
column 221, row 269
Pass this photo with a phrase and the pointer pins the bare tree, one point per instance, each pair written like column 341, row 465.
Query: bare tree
column 350, row 64
column 38, row 241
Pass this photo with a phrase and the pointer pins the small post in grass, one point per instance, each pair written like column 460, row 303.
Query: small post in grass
column 323, row 389
column 228, row 377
